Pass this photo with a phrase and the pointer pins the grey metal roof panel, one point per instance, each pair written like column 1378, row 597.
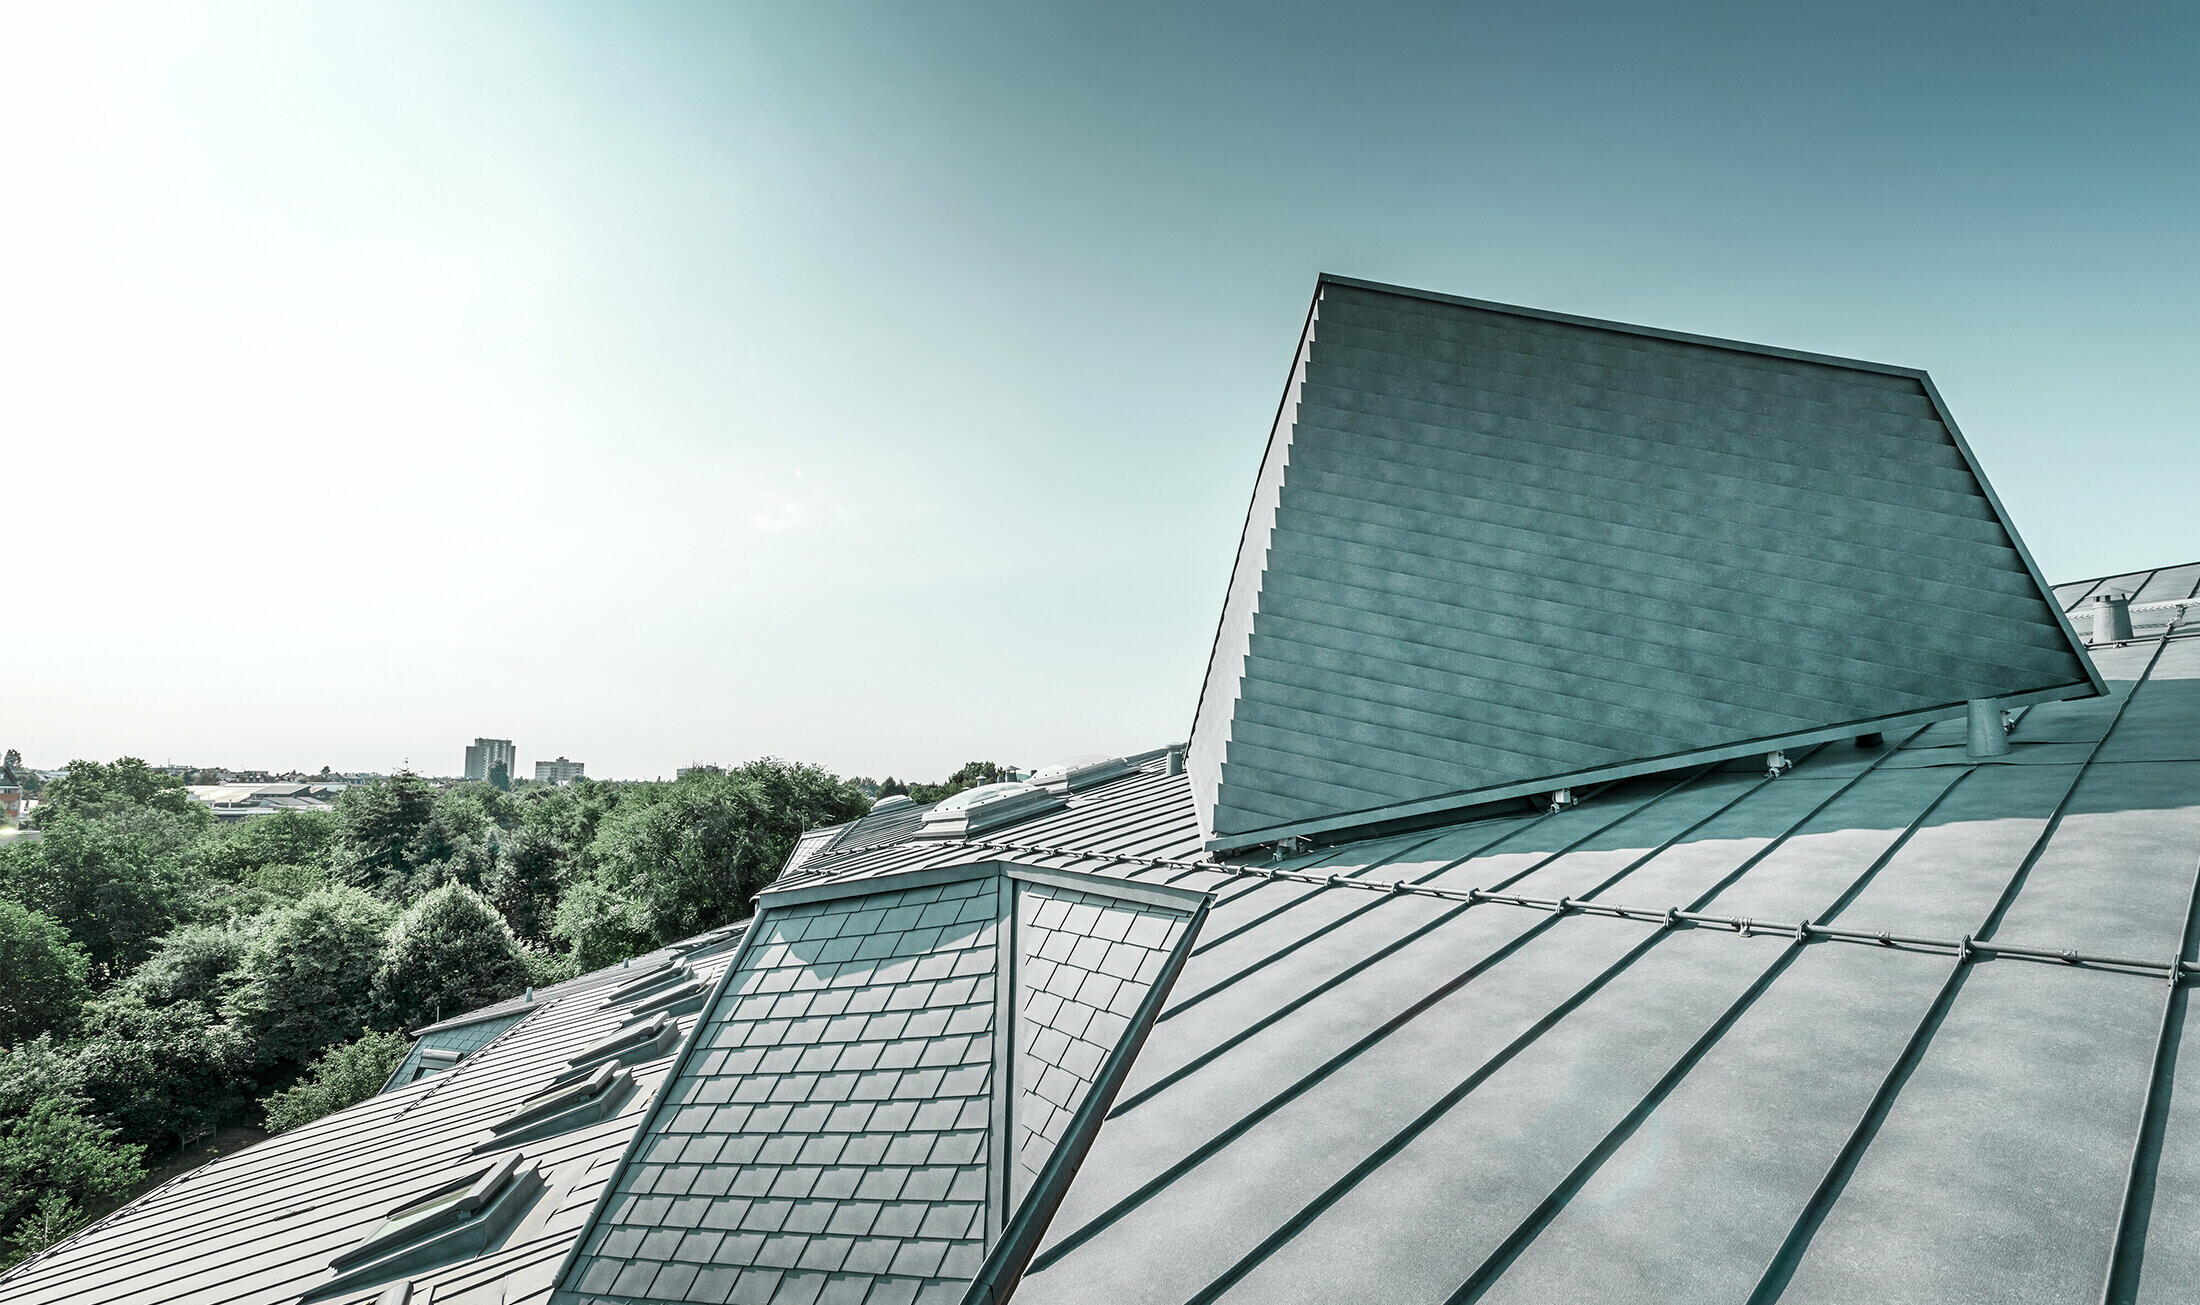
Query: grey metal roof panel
column 1939, row 850
column 1492, row 550
column 1378, row 1077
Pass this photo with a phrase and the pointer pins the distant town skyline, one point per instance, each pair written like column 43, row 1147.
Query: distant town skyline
column 883, row 387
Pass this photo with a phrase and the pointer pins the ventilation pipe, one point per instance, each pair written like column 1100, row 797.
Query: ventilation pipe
column 2111, row 618
column 1989, row 734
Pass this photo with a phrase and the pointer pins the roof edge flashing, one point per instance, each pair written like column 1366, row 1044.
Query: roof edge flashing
column 1326, row 279
column 1430, row 810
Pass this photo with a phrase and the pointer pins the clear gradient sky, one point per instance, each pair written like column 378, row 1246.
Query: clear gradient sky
column 882, row 386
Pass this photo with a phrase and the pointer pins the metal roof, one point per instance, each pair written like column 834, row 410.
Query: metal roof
column 1898, row 1022
column 1494, row 550
column 886, row 1073
column 1578, row 1054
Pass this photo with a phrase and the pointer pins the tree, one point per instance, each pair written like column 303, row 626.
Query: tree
column 41, row 975
column 500, row 776
column 91, row 789
column 601, row 926
column 287, row 838
column 308, row 974
column 378, row 823
column 345, row 1075
column 192, row 962
column 451, row 952
column 524, row 881
column 160, row 1073
column 55, row 1159
column 693, row 854
column 114, row 874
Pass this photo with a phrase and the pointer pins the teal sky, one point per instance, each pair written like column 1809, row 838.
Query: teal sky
column 882, row 386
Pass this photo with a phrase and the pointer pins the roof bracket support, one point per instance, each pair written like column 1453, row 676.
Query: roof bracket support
column 1989, row 727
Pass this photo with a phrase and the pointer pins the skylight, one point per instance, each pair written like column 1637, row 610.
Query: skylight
column 562, row 1105
column 987, row 806
column 641, row 1042
column 1076, row 774
column 459, row 1218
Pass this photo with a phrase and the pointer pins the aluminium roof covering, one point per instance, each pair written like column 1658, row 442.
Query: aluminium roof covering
column 878, row 1096
column 1487, row 1085
column 1494, row 549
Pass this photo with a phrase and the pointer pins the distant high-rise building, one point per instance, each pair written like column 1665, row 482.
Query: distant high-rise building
column 485, row 754
column 560, row 771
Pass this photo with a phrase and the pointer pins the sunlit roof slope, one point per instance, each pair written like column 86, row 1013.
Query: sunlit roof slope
column 1892, row 1025
column 1493, row 550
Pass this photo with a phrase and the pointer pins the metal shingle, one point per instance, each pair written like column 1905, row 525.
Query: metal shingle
column 1494, row 551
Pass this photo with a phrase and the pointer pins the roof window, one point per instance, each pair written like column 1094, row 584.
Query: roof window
column 679, row 999
column 669, row 972
column 988, row 806
column 1076, row 774
column 642, row 1042
column 458, row 1219
column 560, row 1106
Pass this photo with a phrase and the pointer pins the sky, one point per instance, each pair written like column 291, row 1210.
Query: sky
column 882, row 386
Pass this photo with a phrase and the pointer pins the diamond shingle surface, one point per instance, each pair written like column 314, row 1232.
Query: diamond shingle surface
column 828, row 1138
column 1491, row 549
column 1084, row 963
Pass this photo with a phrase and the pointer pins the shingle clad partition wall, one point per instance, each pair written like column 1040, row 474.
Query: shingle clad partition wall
column 1495, row 550
column 833, row 1119
column 1087, row 961
column 848, row 1126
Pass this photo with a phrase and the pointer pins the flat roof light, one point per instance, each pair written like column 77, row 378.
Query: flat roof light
column 562, row 1105
column 988, row 806
column 642, row 1042
column 453, row 1221
column 1075, row 774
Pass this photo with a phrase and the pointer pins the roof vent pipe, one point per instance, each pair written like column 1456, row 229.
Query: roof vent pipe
column 2111, row 618
column 1989, row 733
